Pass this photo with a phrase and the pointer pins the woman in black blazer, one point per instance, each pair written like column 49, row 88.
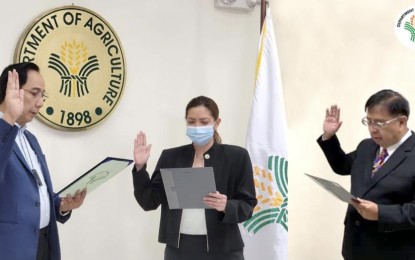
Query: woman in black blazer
column 199, row 233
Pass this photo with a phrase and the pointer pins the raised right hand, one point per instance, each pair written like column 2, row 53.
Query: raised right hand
column 141, row 150
column 14, row 99
column 332, row 122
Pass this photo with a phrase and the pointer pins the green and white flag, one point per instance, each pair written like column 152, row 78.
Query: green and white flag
column 266, row 233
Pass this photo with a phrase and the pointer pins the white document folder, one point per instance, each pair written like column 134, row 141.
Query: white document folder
column 96, row 176
column 334, row 188
column 186, row 187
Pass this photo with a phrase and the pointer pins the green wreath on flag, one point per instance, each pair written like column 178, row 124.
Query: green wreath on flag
column 271, row 186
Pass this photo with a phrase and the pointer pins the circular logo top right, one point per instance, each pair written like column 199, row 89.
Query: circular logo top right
column 405, row 27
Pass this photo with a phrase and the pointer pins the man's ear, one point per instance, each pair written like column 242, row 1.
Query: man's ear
column 404, row 120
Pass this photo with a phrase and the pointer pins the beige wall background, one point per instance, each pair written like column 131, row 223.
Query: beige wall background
column 331, row 52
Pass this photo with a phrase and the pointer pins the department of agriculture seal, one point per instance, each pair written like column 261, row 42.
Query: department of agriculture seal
column 82, row 61
column 405, row 27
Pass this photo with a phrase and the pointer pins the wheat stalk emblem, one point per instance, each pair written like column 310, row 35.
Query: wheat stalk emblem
column 409, row 26
column 74, row 66
column 272, row 193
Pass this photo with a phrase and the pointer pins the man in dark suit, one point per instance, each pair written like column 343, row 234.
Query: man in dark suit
column 380, row 223
column 28, row 207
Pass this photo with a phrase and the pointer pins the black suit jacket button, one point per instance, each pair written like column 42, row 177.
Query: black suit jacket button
column 357, row 223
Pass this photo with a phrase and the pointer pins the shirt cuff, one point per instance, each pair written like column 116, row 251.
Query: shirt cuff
column 64, row 213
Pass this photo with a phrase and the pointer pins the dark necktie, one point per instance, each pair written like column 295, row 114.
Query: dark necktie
column 379, row 160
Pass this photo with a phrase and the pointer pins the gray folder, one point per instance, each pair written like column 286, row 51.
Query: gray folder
column 186, row 187
column 96, row 176
column 334, row 188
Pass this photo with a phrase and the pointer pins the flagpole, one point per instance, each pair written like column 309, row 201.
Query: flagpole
column 263, row 12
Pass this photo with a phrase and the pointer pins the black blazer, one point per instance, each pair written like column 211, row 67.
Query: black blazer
column 233, row 176
column 392, row 188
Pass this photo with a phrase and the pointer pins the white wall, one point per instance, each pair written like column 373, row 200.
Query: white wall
column 331, row 52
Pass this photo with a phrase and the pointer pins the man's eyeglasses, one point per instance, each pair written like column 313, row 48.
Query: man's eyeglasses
column 377, row 124
column 38, row 94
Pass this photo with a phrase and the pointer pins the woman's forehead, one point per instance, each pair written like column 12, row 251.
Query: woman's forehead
column 199, row 111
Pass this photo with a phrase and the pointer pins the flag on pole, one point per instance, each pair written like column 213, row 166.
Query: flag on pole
column 266, row 233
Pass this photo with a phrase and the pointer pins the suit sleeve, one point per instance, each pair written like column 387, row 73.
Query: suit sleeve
column 149, row 193
column 57, row 204
column 340, row 162
column 240, row 206
column 396, row 217
column 8, row 135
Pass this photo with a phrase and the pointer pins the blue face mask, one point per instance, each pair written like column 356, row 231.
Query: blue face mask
column 200, row 135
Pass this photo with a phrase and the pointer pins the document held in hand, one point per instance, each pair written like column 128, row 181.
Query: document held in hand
column 96, row 176
column 186, row 187
column 334, row 188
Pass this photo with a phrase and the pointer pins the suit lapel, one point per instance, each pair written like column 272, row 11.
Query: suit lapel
column 394, row 161
column 19, row 155
column 39, row 154
column 22, row 159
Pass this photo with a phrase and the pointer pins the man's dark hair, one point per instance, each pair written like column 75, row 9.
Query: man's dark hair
column 22, row 69
column 394, row 102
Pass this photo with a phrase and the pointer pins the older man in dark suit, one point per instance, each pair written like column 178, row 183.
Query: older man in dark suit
column 380, row 224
